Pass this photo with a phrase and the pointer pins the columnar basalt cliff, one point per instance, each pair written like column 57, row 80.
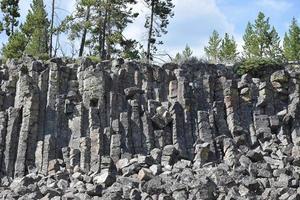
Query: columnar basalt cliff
column 126, row 130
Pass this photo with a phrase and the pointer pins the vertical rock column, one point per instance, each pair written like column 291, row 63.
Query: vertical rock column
column 136, row 127
column 178, row 129
column 232, row 106
column 27, row 97
column 85, row 154
column 205, row 131
column 12, row 139
column 95, row 136
column 148, row 137
column 51, row 115
column 3, row 126
column 43, row 89
column 125, row 131
column 115, row 143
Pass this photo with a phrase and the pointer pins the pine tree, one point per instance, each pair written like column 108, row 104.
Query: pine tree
column 157, row 23
column 36, row 29
column 10, row 10
column 228, row 49
column 184, row 56
column 274, row 50
column 291, row 43
column 262, row 41
column 187, row 52
column 115, row 18
column 15, row 46
column 250, row 42
column 262, row 28
column 100, row 25
column 213, row 49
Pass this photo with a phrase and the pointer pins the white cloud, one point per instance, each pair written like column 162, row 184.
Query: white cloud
column 192, row 24
column 278, row 5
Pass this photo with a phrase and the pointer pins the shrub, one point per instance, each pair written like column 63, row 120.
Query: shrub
column 257, row 67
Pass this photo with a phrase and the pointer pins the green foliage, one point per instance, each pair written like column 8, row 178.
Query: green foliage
column 104, row 23
column 10, row 10
column 95, row 59
column 130, row 49
column 228, row 49
column 250, row 42
column 187, row 52
column 157, row 22
column 186, row 55
column 213, row 49
column 36, row 29
column 261, row 41
column 257, row 67
column 291, row 43
column 1, row 26
column 15, row 46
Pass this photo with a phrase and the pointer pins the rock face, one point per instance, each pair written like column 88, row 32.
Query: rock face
column 134, row 131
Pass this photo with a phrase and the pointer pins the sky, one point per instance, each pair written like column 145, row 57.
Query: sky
column 194, row 20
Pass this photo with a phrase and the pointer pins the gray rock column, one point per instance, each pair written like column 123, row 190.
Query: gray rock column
column 85, row 153
column 136, row 127
column 12, row 138
column 178, row 129
column 3, row 130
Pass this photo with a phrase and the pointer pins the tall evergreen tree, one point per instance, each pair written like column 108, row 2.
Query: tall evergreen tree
column 110, row 20
column 10, row 10
column 184, row 56
column 262, row 29
column 261, row 41
column 291, row 43
column 250, row 42
column 15, row 46
column 36, row 28
column 187, row 52
column 213, row 49
column 100, row 25
column 157, row 23
column 228, row 49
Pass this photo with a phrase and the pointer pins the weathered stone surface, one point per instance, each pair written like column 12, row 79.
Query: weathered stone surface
column 127, row 130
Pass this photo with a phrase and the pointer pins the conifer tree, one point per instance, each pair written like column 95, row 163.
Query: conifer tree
column 187, row 52
column 184, row 56
column 228, row 49
column 157, row 23
column 250, row 42
column 100, row 25
column 15, row 46
column 262, row 41
column 36, row 29
column 10, row 10
column 291, row 43
column 213, row 49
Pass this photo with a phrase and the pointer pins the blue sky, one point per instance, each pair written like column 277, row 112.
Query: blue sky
column 194, row 20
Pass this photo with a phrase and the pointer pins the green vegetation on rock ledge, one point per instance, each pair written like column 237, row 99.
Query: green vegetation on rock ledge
column 257, row 67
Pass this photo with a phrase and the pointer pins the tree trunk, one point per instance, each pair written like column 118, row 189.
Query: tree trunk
column 103, row 53
column 12, row 25
column 100, row 48
column 109, row 48
column 84, row 33
column 51, row 29
column 150, row 32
